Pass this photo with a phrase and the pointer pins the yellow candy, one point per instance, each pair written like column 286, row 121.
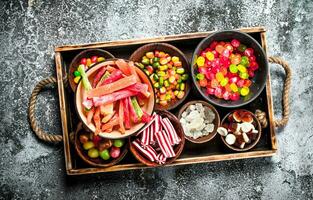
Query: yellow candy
column 175, row 59
column 224, row 82
column 219, row 76
column 209, row 55
column 88, row 62
column 244, row 91
column 233, row 87
column 100, row 59
column 242, row 68
column 200, row 61
column 76, row 79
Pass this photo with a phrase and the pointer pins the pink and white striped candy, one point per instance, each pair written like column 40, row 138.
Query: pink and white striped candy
column 165, row 144
column 151, row 155
column 161, row 159
column 145, row 137
column 170, row 131
column 152, row 133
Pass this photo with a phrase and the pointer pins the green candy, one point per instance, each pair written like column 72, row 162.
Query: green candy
column 184, row 77
column 244, row 75
column 180, row 71
column 200, row 76
column 244, row 60
column 118, row 143
column 76, row 73
column 156, row 65
column 242, row 48
column 155, row 59
column 140, row 65
column 105, row 154
column 145, row 61
column 233, row 68
column 93, row 153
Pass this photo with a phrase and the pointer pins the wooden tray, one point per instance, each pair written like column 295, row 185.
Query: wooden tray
column 212, row 151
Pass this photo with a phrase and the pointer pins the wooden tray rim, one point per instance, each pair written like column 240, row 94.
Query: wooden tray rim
column 179, row 161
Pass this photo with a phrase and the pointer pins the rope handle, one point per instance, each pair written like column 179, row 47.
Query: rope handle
column 53, row 138
column 286, row 90
column 286, row 110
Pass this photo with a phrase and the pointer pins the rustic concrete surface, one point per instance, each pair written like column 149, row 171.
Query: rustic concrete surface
column 29, row 31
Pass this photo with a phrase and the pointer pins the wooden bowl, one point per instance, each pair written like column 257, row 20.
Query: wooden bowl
column 84, row 54
column 216, row 122
column 250, row 146
column 173, row 51
column 258, row 81
column 178, row 148
column 96, row 162
column 148, row 107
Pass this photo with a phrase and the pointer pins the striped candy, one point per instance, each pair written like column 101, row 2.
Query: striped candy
column 170, row 131
column 161, row 159
column 149, row 152
column 165, row 144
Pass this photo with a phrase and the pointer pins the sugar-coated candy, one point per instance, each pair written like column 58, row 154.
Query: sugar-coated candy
column 200, row 61
column 244, row 91
column 235, row 43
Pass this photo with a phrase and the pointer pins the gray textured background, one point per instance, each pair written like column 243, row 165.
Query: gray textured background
column 29, row 31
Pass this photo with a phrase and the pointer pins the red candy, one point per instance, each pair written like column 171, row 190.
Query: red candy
column 94, row 59
column 229, row 71
column 83, row 61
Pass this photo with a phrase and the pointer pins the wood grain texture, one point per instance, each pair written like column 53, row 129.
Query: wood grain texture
column 66, row 123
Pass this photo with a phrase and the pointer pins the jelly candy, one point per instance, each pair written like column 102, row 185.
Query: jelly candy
column 244, row 60
column 213, row 44
column 247, row 83
column 233, row 79
column 244, row 91
column 233, row 68
column 223, row 70
column 226, row 53
column 200, row 61
column 233, row 87
column 251, row 73
column 235, row 43
column 226, row 95
column 209, row 56
column 242, row 48
column 203, row 82
column 240, row 83
column 228, row 88
column 229, row 47
column 235, row 60
column 214, row 83
column 219, row 48
column 224, row 82
column 210, row 91
column 235, row 96
column 218, row 92
column 219, row 76
column 248, row 52
column 241, row 68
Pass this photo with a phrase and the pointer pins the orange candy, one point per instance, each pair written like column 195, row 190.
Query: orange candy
column 203, row 82
column 214, row 83
column 227, row 88
column 247, row 83
column 219, row 48
column 235, row 60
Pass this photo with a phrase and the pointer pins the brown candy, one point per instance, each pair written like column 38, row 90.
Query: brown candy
column 105, row 144
column 83, row 138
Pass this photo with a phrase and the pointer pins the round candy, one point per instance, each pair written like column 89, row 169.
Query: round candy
column 242, row 47
column 244, row 91
column 210, row 56
column 93, row 153
column 233, row 68
column 88, row 145
column 118, row 143
column 200, row 61
column 214, row 83
column 76, row 73
column 105, row 155
column 244, row 60
column 235, row 43
column 115, row 152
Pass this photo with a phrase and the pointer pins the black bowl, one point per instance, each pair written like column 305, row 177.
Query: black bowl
column 258, row 81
